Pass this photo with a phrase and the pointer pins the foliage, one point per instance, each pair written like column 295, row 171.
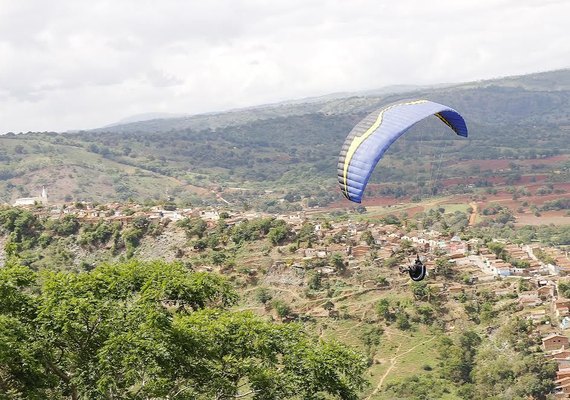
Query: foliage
column 278, row 232
column 547, row 234
column 422, row 291
column 384, row 310
column 282, row 308
column 192, row 226
column 68, row 225
column 337, row 261
column 371, row 337
column 391, row 219
column 443, row 267
column 498, row 249
column 403, row 320
column 419, row 387
column 255, row 229
column 314, row 280
column 457, row 356
column 564, row 288
column 503, row 373
column 263, row 295
column 98, row 234
column 368, row 238
column 155, row 330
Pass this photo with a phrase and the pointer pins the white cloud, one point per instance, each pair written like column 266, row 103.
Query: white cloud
column 82, row 64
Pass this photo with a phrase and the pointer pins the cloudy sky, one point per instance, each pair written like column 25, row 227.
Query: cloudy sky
column 79, row 64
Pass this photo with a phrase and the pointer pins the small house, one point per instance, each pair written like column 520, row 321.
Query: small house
column 555, row 342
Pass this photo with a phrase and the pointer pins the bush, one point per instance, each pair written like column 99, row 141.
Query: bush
column 282, row 308
column 263, row 295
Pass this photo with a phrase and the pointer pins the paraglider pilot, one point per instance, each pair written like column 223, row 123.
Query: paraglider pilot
column 417, row 270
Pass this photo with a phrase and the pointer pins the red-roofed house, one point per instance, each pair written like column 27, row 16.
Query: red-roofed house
column 555, row 342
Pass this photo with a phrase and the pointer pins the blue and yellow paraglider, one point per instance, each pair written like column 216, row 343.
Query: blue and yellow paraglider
column 371, row 137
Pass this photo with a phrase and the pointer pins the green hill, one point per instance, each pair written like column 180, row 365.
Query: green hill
column 289, row 150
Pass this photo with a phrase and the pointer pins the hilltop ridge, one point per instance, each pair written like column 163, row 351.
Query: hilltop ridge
column 557, row 80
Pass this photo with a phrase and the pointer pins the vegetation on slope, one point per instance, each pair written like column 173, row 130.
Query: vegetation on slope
column 116, row 326
column 291, row 153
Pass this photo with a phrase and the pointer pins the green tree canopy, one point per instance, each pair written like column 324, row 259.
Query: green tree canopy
column 155, row 330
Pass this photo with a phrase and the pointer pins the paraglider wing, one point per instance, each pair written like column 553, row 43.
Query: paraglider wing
column 371, row 137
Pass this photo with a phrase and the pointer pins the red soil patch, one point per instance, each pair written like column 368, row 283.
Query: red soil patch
column 505, row 164
column 546, row 218
column 414, row 210
column 369, row 202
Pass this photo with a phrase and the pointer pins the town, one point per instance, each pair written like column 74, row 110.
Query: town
column 531, row 274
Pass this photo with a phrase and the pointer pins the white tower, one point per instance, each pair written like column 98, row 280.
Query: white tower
column 44, row 197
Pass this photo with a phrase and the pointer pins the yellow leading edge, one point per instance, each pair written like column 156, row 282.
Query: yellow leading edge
column 359, row 139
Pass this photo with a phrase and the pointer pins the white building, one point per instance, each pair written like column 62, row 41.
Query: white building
column 30, row 201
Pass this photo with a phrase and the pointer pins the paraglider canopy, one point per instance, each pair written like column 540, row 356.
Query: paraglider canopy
column 371, row 137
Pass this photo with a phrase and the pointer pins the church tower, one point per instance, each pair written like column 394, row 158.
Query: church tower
column 44, row 197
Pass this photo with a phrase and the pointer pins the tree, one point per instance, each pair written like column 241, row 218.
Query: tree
column 422, row 386
column 426, row 314
column 443, row 267
column 498, row 249
column 457, row 356
column 278, row 234
column 564, row 288
column 131, row 238
column 420, row 290
column 155, row 330
column 218, row 257
column 368, row 238
column 263, row 295
column 283, row 309
column 371, row 337
column 384, row 310
column 499, row 372
column 314, row 280
column 242, row 352
column 524, row 285
column 402, row 320
column 193, row 227
column 307, row 234
column 337, row 261
column 68, row 225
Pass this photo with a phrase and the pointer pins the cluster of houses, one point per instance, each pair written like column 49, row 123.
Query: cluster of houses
column 349, row 238
column 557, row 348
column 358, row 241
column 526, row 254
column 471, row 256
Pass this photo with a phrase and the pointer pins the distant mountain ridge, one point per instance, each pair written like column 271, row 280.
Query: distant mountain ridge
column 558, row 80
column 145, row 117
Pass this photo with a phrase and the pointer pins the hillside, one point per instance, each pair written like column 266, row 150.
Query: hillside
column 478, row 312
column 257, row 156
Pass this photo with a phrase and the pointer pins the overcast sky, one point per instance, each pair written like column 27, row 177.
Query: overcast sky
column 82, row 64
